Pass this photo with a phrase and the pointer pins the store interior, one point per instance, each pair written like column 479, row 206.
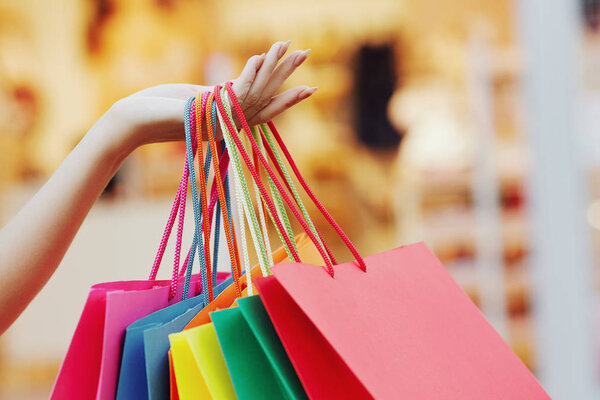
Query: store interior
column 425, row 127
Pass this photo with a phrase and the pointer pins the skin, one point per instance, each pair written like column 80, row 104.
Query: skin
column 31, row 255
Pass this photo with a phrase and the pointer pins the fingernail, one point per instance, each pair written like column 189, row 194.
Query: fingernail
column 300, row 58
column 307, row 93
column 283, row 48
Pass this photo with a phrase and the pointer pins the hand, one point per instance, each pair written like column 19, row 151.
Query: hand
column 156, row 114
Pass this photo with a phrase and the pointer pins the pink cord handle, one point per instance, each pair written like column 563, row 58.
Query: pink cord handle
column 238, row 143
column 282, row 176
column 316, row 201
column 291, row 205
column 171, row 220
column 332, row 222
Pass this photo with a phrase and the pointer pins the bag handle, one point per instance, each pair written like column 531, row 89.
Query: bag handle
column 170, row 222
column 225, row 212
column 178, row 208
column 245, row 202
column 258, row 133
column 279, row 205
column 321, row 208
column 223, row 164
column 206, row 293
column 233, row 134
column 316, row 201
column 266, row 197
column 205, row 227
column 249, row 208
column 262, row 211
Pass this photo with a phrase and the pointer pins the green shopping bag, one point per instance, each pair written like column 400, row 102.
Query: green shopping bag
column 255, row 358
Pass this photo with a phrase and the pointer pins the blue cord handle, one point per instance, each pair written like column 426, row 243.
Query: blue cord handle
column 197, row 243
column 196, row 205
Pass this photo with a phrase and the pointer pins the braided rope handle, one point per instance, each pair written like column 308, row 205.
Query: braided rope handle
column 257, row 237
column 225, row 211
column 279, row 205
column 223, row 165
column 195, row 201
column 289, row 183
column 200, row 111
column 178, row 208
column 266, row 198
column 244, row 154
column 302, row 181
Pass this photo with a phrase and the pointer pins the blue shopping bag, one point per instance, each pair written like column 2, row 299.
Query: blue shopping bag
column 144, row 372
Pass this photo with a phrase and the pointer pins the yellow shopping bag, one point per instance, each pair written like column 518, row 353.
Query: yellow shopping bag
column 197, row 357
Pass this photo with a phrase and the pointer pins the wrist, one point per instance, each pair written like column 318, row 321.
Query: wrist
column 110, row 141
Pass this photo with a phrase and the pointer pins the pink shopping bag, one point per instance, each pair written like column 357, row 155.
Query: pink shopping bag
column 91, row 366
column 401, row 330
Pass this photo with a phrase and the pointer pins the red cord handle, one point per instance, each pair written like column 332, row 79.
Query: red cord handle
column 252, row 170
column 291, row 205
column 328, row 217
column 281, row 174
column 320, row 206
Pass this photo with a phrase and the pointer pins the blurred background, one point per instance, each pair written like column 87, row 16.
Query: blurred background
column 470, row 125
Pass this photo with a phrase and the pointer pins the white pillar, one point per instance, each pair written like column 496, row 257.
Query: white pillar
column 549, row 31
column 490, row 263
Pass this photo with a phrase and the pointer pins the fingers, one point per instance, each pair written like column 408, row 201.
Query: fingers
column 282, row 102
column 242, row 84
column 283, row 71
column 254, row 97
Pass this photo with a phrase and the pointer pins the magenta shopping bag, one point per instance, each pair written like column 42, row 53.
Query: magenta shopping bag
column 91, row 366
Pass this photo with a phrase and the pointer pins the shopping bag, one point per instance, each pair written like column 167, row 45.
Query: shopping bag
column 174, row 395
column 146, row 340
column 90, row 367
column 394, row 325
column 255, row 358
column 226, row 298
column 411, row 332
column 255, row 314
column 144, row 369
column 190, row 382
column 197, row 361
column 205, row 347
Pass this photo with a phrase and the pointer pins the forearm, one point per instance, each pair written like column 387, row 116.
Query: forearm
column 34, row 242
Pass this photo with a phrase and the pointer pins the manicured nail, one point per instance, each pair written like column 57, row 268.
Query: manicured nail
column 283, row 48
column 307, row 93
column 300, row 57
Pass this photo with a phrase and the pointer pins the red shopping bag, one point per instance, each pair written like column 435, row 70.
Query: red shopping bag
column 401, row 330
column 392, row 326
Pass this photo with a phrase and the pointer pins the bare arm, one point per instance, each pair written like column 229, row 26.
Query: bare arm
column 34, row 242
